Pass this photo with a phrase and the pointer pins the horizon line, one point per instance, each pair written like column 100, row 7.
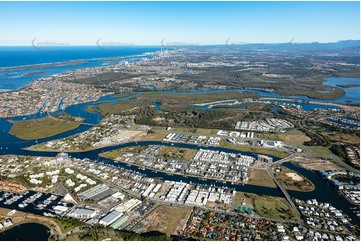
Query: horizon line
column 49, row 44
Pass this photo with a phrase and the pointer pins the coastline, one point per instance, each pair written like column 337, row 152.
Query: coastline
column 70, row 63
column 42, row 65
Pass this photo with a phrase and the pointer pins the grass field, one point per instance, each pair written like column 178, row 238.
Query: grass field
column 166, row 219
column 261, row 178
column 44, row 127
column 293, row 137
column 266, row 206
column 258, row 150
column 113, row 154
column 169, row 100
column 67, row 224
column 177, row 153
column 318, row 150
column 118, row 108
column 346, row 138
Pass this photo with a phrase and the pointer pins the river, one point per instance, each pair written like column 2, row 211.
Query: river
column 12, row 145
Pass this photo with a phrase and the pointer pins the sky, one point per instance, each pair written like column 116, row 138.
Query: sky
column 171, row 23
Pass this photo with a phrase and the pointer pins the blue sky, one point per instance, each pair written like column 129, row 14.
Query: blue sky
column 148, row 23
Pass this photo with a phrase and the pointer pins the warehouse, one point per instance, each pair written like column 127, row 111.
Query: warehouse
column 110, row 218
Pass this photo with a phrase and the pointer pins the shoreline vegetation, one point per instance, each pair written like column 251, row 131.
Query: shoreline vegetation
column 44, row 127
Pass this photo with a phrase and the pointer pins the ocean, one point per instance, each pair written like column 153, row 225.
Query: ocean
column 11, row 57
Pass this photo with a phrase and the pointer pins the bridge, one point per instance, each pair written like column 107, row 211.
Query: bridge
column 279, row 185
column 283, row 190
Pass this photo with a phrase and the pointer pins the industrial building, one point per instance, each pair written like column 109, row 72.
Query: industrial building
column 82, row 213
column 110, row 218
column 96, row 193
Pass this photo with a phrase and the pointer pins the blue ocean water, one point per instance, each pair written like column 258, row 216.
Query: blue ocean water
column 27, row 56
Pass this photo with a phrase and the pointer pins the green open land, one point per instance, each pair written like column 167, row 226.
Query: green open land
column 113, row 154
column 188, row 118
column 292, row 180
column 44, row 127
column 261, row 178
column 170, row 101
column 258, row 150
column 266, row 206
column 67, row 224
column 176, row 112
column 342, row 137
column 318, row 150
column 292, row 79
column 123, row 95
column 171, row 152
column 118, row 108
column 293, row 137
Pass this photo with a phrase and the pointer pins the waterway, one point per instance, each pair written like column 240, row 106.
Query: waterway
column 12, row 145
column 26, row 232
column 31, row 208
column 352, row 94
column 303, row 105
column 323, row 192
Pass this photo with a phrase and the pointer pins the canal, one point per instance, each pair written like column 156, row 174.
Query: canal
column 12, row 145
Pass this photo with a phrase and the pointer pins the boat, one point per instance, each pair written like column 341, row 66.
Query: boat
column 11, row 212
column 22, row 205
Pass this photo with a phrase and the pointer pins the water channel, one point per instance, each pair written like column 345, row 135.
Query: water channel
column 12, row 145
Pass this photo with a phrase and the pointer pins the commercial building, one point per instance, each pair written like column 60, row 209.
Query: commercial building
column 82, row 213
column 127, row 205
column 264, row 158
column 119, row 223
column 110, row 218
column 96, row 193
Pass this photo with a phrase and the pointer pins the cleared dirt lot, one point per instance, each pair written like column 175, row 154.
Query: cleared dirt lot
column 313, row 164
column 166, row 219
